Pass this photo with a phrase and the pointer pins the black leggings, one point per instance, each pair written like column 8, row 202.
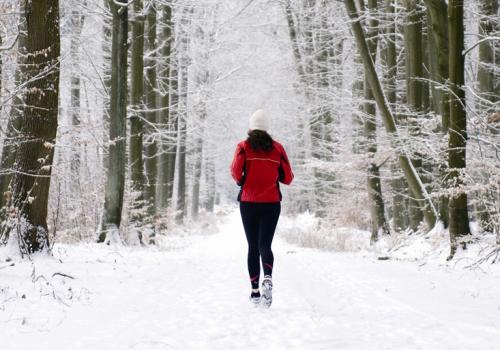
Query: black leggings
column 259, row 221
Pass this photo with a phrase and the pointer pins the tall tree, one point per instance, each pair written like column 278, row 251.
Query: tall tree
column 202, row 79
column 411, row 175
column 458, row 213
column 151, row 148
column 437, row 14
column 374, row 186
column 323, row 135
column 38, row 127
column 210, row 185
column 302, row 89
column 182, row 111
column 181, row 170
column 77, row 21
column 115, row 174
column 107, row 37
column 389, row 57
column 438, row 49
column 414, row 74
column 198, row 162
column 489, row 89
column 136, row 119
column 164, row 187
column 8, row 154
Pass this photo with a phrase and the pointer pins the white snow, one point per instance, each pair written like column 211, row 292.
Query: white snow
column 196, row 297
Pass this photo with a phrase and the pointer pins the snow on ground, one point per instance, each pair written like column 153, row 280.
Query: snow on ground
column 196, row 297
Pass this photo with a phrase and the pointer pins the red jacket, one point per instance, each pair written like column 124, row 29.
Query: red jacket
column 258, row 173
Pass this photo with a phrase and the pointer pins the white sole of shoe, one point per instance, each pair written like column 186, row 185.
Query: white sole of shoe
column 267, row 293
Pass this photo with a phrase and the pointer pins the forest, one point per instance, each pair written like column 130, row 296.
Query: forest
column 112, row 113
column 119, row 120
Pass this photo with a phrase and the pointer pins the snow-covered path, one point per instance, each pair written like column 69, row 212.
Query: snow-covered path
column 197, row 298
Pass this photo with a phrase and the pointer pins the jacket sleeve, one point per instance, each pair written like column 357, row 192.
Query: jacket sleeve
column 238, row 164
column 286, row 174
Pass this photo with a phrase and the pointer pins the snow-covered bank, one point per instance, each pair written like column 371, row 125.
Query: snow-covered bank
column 196, row 297
column 433, row 247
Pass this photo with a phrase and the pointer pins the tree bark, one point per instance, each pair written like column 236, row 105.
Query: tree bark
column 38, row 126
column 173, row 126
column 151, row 149
column 414, row 70
column 437, row 10
column 489, row 90
column 115, row 177
column 198, row 162
column 107, row 25
column 181, row 171
column 173, row 129
column 374, row 186
column 390, row 62
column 210, row 187
column 8, row 155
column 182, row 114
column 411, row 175
column 438, row 37
column 77, row 20
column 136, row 120
column 459, row 218
column 162, row 195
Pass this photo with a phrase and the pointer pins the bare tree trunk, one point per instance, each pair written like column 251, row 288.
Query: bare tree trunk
column 321, row 123
column 198, row 154
column 14, row 124
column 151, row 116
column 374, row 186
column 292, row 30
column 182, row 114
column 181, row 171
column 489, row 84
column 210, row 183
column 162, row 195
column 38, row 126
column 459, row 217
column 106, row 49
column 438, row 37
column 173, row 125
column 437, row 10
column 358, row 95
column 390, row 59
column 77, row 24
column 302, row 88
column 115, row 181
column 136, row 120
column 414, row 73
column 489, row 90
column 411, row 175
column 357, row 117
column 202, row 80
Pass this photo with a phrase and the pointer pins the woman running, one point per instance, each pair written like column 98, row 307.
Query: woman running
column 259, row 164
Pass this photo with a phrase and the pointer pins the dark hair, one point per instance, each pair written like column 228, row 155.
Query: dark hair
column 260, row 140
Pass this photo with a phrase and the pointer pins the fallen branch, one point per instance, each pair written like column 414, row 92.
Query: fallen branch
column 62, row 275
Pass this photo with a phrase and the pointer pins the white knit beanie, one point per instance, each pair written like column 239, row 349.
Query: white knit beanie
column 259, row 121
